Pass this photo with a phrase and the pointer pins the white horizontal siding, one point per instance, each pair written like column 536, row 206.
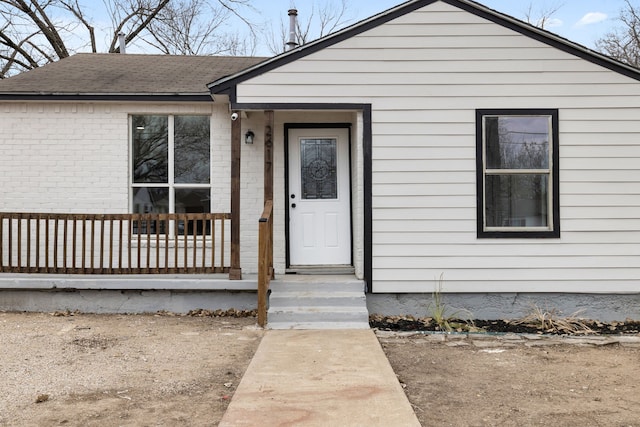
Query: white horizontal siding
column 481, row 285
column 423, row 177
column 618, row 175
column 505, row 272
column 420, row 225
column 600, row 151
column 374, row 66
column 595, row 189
column 423, row 189
column 425, row 74
column 460, row 237
column 583, row 163
column 441, row 41
column 507, row 251
column 479, row 90
column 421, row 164
column 433, row 78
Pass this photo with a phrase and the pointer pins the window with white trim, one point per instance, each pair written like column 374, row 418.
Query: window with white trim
column 517, row 166
column 170, row 164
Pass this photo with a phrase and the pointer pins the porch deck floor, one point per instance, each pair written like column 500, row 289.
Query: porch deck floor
column 319, row 378
column 176, row 282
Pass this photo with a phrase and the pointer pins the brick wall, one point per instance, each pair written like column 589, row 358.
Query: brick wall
column 74, row 158
column 64, row 158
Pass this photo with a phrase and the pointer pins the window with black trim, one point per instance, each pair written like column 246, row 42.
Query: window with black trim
column 517, row 168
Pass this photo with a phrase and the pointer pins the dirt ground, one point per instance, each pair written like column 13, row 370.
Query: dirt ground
column 120, row 370
column 150, row 370
column 462, row 384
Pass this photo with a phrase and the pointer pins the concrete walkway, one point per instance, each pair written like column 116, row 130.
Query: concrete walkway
column 319, row 378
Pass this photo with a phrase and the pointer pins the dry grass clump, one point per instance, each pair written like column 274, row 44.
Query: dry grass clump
column 444, row 319
column 551, row 322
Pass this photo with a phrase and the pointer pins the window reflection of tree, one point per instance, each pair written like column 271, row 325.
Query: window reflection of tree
column 150, row 149
column 513, row 143
column 192, row 149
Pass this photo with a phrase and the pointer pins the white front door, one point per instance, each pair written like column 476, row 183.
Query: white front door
column 319, row 197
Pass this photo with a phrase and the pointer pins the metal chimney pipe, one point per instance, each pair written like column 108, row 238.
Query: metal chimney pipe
column 122, row 42
column 293, row 17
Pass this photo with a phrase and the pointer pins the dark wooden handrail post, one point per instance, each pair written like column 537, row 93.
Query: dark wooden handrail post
column 235, row 273
column 265, row 268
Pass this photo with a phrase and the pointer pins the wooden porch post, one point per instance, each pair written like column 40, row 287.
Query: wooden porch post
column 235, row 272
column 268, row 155
column 268, row 173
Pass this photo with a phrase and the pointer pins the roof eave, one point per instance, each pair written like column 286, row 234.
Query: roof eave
column 64, row 96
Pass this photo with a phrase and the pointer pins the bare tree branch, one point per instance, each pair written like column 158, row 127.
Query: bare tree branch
column 234, row 6
column 193, row 27
column 12, row 61
column 141, row 14
column 17, row 50
column 41, row 19
column 36, row 32
column 541, row 17
column 76, row 10
column 623, row 43
column 41, row 51
column 29, row 36
column 145, row 22
column 313, row 23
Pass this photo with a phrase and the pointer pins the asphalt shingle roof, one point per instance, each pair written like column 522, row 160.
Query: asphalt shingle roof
column 126, row 74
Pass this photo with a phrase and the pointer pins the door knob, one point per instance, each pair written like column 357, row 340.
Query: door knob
column 293, row 205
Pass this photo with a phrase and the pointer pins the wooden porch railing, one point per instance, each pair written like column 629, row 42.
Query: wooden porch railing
column 265, row 260
column 114, row 243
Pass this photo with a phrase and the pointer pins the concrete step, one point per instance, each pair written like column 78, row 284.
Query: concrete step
column 321, row 271
column 279, row 300
column 302, row 286
column 339, row 316
column 318, row 325
column 317, row 302
column 319, row 312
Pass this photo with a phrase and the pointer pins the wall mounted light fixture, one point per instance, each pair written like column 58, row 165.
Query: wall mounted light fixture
column 248, row 137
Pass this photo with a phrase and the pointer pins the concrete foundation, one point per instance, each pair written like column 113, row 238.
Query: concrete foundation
column 603, row 307
column 130, row 301
column 181, row 293
column 125, row 294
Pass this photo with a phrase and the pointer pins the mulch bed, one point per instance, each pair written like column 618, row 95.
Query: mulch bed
column 409, row 323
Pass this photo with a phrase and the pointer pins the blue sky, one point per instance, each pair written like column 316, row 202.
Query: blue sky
column 582, row 21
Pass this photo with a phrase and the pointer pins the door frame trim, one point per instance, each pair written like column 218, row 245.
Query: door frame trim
column 287, row 128
column 367, row 168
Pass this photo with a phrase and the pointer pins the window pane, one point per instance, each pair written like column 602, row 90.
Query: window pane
column 192, row 149
column 516, row 200
column 150, row 200
column 150, row 149
column 517, row 142
column 318, row 169
column 193, row 200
